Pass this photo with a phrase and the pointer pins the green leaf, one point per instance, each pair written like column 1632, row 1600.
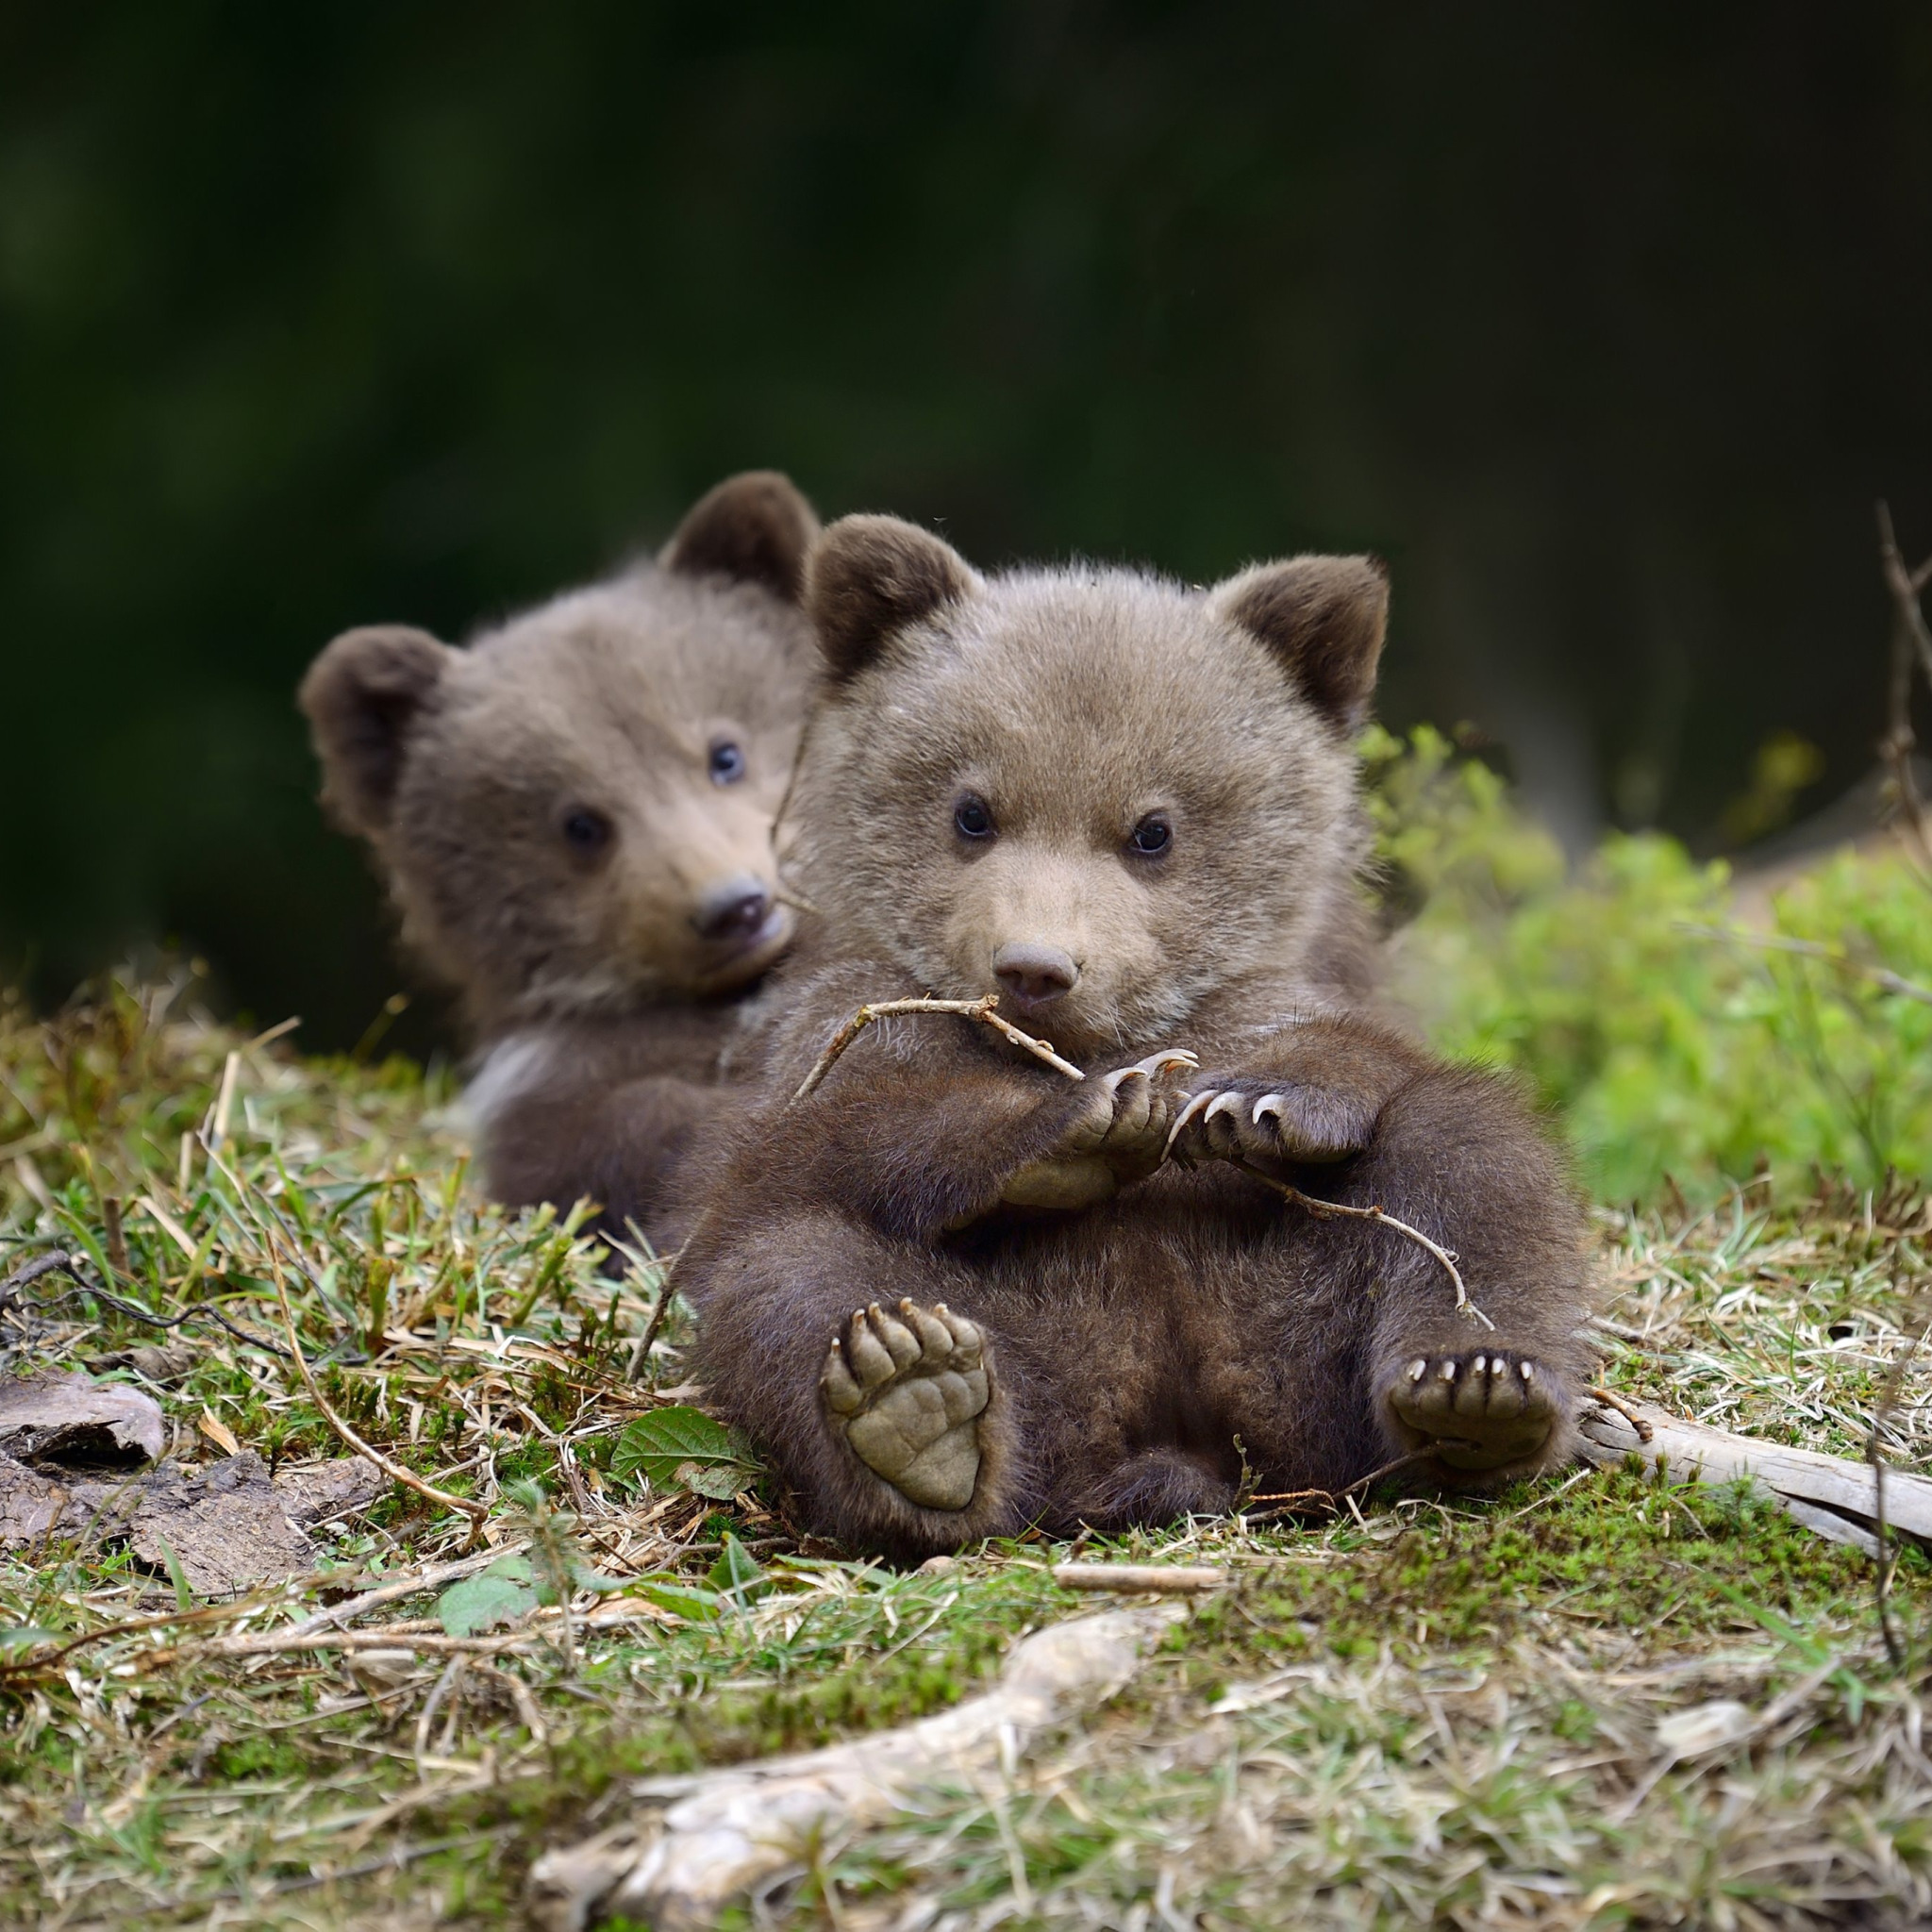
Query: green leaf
column 184, row 1597
column 499, row 1594
column 1807, row 1647
column 584, row 1576
column 720, row 1481
column 27, row 1635
column 682, row 1599
column 735, row 1574
column 683, row 1448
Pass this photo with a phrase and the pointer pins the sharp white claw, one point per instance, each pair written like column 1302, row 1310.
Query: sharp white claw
column 1187, row 1113
column 1481, row 1365
column 1447, row 1372
column 1268, row 1107
column 1526, row 1371
column 1223, row 1103
column 1418, row 1369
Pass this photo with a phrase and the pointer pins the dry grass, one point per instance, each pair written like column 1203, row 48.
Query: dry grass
column 1592, row 1701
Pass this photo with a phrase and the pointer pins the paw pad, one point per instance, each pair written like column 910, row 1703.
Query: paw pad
column 907, row 1390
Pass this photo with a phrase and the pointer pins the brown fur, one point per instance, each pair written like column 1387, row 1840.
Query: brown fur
column 1143, row 1347
column 544, row 808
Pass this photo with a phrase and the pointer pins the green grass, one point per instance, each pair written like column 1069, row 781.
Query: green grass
column 1676, row 1028
column 1454, row 1713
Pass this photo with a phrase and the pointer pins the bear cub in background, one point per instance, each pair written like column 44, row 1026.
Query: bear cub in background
column 954, row 1292
column 573, row 816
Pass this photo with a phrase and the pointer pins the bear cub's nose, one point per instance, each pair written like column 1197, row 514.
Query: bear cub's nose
column 733, row 910
column 1035, row 974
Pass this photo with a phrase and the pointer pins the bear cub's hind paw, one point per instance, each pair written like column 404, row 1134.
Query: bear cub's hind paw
column 1477, row 1412
column 907, row 1392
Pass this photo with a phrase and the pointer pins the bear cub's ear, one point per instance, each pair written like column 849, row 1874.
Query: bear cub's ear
column 755, row 529
column 1325, row 618
column 362, row 696
column 871, row 577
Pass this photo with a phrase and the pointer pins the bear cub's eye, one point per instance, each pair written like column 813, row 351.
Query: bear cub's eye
column 972, row 817
column 585, row 831
column 1152, row 836
column 728, row 763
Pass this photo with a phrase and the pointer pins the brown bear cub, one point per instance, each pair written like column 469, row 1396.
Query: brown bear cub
column 574, row 815
column 954, row 1292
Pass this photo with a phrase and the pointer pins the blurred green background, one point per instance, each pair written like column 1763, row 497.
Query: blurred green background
column 1604, row 323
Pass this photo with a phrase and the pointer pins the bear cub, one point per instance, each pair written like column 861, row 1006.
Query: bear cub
column 574, row 816
column 954, row 1292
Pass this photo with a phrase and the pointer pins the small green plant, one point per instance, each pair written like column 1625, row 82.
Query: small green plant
column 1670, row 1035
column 500, row 1594
column 682, row 1448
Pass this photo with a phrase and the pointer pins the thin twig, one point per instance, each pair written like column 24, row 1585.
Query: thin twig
column 980, row 1010
column 1880, row 976
column 268, row 1598
column 1323, row 1209
column 1138, row 1578
column 432, row 1704
column 1874, row 1455
column 476, row 1511
column 641, row 1355
column 1909, row 638
column 1611, row 1400
column 533, row 1626
column 40, row 1660
column 58, row 1262
column 350, row 1642
column 76, row 1268
column 414, row 1584
column 1287, row 1496
column 1334, row 1498
column 117, row 1236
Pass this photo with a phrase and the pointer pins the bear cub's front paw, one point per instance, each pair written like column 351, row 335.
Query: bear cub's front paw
column 1116, row 1133
column 1268, row 1124
column 1477, row 1412
column 907, row 1392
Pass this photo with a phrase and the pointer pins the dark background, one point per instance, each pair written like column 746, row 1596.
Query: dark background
column 1604, row 323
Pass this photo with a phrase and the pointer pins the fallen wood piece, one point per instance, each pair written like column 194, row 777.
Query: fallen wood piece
column 229, row 1525
column 70, row 1418
column 310, row 1635
column 735, row 1828
column 381, row 1642
column 1138, row 1578
column 225, row 1526
column 340, row 1488
column 1831, row 1495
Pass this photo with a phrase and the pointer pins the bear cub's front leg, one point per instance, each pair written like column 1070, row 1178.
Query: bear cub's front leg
column 908, row 1393
column 1480, row 1414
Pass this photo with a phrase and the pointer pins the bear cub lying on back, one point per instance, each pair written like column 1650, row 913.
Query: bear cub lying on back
column 574, row 814
column 954, row 1294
